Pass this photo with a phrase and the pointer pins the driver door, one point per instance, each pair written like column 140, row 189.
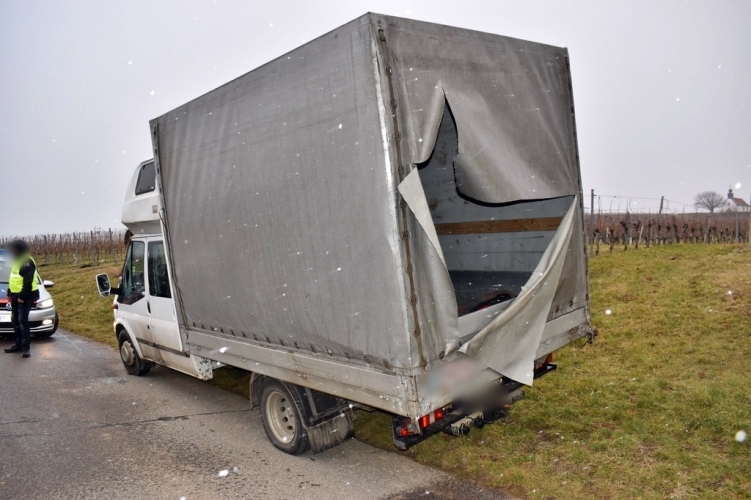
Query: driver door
column 132, row 304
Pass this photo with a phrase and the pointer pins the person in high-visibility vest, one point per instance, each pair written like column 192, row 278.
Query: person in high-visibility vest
column 23, row 292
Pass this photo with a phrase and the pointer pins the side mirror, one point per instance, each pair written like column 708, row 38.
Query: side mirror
column 103, row 284
column 48, row 283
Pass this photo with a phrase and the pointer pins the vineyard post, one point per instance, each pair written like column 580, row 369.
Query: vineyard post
column 627, row 231
column 709, row 225
column 75, row 249
column 112, row 249
column 94, row 250
column 592, row 225
column 737, row 227
column 46, row 251
column 659, row 217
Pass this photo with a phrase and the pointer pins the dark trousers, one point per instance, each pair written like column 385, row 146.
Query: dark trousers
column 20, row 318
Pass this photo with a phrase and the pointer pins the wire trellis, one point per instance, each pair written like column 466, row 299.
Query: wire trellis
column 620, row 220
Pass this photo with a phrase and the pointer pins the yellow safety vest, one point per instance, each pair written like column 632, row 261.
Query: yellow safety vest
column 15, row 284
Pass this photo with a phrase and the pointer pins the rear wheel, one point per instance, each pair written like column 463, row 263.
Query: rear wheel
column 281, row 419
column 129, row 356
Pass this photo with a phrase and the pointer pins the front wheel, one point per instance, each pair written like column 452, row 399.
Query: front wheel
column 281, row 419
column 128, row 354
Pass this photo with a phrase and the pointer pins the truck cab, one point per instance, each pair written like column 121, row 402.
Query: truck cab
column 145, row 321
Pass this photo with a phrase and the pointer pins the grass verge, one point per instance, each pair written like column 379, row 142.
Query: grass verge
column 649, row 411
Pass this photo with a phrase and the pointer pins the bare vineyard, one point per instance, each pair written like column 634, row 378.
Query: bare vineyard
column 645, row 229
column 92, row 248
column 611, row 228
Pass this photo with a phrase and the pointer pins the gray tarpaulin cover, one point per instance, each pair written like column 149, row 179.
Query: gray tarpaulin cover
column 282, row 191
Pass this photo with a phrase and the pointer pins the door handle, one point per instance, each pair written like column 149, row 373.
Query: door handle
column 148, row 306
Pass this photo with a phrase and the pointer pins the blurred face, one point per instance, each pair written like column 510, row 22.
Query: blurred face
column 14, row 251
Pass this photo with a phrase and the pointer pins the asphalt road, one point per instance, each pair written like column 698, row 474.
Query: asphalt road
column 73, row 424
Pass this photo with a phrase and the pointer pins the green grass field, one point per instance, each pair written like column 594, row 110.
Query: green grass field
column 649, row 411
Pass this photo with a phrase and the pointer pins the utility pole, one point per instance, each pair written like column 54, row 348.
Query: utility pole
column 592, row 225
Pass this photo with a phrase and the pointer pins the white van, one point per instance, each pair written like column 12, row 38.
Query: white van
column 371, row 262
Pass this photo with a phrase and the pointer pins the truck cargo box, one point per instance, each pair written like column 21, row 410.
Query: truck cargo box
column 390, row 213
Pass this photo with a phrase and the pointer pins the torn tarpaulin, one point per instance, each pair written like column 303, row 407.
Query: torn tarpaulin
column 509, row 342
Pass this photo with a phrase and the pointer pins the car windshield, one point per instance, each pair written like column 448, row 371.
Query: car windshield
column 4, row 271
column 4, row 277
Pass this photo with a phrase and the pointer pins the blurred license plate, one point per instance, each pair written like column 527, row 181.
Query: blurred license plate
column 4, row 318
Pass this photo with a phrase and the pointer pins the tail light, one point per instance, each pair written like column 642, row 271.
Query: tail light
column 406, row 428
column 547, row 361
column 431, row 417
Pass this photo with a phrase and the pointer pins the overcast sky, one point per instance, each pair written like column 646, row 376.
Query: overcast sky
column 661, row 88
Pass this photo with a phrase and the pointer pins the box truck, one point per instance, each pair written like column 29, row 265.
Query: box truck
column 388, row 217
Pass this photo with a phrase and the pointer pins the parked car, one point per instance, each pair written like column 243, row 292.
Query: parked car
column 43, row 317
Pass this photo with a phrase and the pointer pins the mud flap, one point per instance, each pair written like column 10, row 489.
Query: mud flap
column 331, row 432
column 327, row 419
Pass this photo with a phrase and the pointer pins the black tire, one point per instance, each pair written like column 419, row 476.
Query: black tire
column 45, row 335
column 129, row 356
column 281, row 419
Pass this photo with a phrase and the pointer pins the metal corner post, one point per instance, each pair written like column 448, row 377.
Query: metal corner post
column 402, row 170
column 179, row 310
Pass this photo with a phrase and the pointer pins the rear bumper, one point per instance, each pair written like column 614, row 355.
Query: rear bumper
column 495, row 408
column 40, row 321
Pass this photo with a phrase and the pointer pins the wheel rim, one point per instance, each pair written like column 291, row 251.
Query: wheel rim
column 127, row 354
column 281, row 417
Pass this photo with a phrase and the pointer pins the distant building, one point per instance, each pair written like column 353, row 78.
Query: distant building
column 733, row 204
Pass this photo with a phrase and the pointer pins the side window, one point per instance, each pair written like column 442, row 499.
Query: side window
column 158, row 276
column 137, row 266
column 126, row 281
column 131, row 282
column 146, row 182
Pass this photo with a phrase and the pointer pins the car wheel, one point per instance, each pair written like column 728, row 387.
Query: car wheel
column 281, row 419
column 129, row 356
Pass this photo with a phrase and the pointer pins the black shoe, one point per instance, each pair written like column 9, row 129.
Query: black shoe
column 27, row 354
column 13, row 349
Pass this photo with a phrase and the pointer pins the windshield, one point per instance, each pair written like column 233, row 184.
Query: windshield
column 4, row 277
column 4, row 271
